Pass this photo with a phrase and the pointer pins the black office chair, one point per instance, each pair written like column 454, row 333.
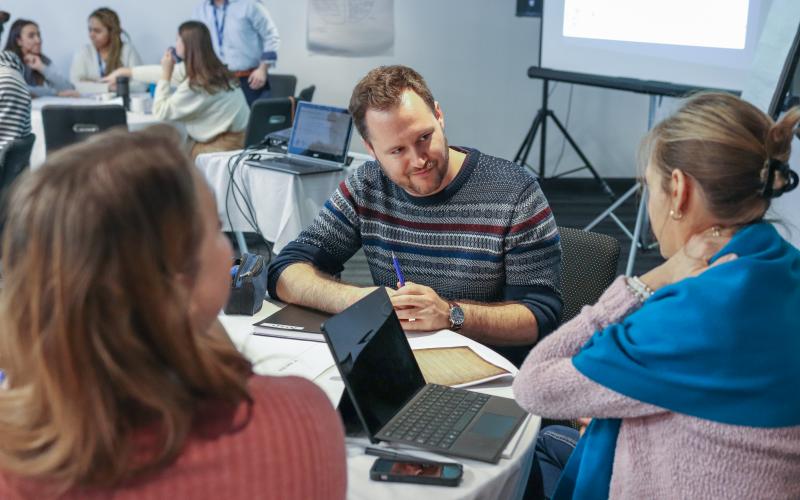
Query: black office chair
column 15, row 160
column 267, row 116
column 307, row 94
column 282, row 85
column 65, row 125
column 588, row 266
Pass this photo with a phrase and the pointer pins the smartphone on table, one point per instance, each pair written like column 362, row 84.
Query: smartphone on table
column 405, row 471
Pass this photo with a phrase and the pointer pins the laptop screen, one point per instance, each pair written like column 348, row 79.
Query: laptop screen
column 321, row 132
column 374, row 358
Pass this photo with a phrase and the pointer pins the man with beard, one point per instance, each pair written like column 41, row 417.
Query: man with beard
column 474, row 234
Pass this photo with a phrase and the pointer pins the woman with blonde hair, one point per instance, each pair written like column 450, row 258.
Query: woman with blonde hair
column 206, row 97
column 107, row 51
column 120, row 381
column 690, row 371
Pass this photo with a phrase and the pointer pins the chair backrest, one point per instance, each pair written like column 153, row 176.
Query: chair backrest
column 588, row 266
column 267, row 116
column 307, row 94
column 15, row 160
column 65, row 125
column 282, row 85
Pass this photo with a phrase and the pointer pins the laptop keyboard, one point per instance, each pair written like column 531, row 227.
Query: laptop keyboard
column 436, row 418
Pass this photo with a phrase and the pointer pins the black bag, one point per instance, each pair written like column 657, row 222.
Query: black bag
column 248, row 285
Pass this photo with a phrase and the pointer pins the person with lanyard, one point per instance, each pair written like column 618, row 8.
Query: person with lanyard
column 690, row 371
column 245, row 39
column 107, row 51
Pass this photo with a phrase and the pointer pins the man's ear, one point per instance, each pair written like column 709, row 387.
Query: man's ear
column 438, row 114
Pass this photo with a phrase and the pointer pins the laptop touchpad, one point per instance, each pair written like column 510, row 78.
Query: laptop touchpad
column 493, row 425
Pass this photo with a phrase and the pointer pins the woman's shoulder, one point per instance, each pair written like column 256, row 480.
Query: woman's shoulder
column 294, row 393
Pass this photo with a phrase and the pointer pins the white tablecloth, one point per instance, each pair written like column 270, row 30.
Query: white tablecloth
column 136, row 121
column 283, row 204
column 274, row 356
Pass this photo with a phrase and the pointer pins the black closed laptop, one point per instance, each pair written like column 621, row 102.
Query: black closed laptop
column 65, row 125
column 392, row 400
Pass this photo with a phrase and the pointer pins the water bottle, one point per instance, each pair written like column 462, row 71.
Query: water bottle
column 123, row 90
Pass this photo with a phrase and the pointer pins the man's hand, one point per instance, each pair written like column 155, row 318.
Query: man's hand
column 69, row 93
column 34, row 62
column 420, row 308
column 258, row 78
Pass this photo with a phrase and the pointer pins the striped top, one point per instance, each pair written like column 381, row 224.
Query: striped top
column 15, row 100
column 489, row 236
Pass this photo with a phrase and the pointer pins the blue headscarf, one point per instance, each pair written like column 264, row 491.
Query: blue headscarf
column 723, row 346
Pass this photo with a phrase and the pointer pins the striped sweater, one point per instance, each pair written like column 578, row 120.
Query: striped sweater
column 489, row 236
column 15, row 101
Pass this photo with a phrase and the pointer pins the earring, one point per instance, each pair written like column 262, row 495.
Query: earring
column 675, row 214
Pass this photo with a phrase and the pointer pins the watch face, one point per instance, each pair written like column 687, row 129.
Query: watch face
column 456, row 316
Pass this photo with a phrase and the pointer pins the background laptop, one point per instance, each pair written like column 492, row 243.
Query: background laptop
column 392, row 400
column 65, row 125
column 318, row 143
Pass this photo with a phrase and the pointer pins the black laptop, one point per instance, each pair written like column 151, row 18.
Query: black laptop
column 318, row 142
column 392, row 400
column 65, row 125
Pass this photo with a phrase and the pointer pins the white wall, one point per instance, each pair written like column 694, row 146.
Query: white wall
column 474, row 54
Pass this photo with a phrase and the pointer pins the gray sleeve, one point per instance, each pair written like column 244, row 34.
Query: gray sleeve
column 55, row 80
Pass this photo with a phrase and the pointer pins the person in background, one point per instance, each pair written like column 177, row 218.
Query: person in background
column 245, row 38
column 121, row 381
column 207, row 97
column 474, row 234
column 107, row 51
column 15, row 101
column 690, row 371
column 24, row 39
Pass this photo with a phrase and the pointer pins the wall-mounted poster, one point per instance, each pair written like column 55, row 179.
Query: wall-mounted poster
column 351, row 28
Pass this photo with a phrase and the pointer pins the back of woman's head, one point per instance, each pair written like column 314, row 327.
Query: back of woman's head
column 97, row 340
column 110, row 20
column 736, row 153
column 203, row 68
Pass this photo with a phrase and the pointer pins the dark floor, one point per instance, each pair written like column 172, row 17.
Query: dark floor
column 575, row 203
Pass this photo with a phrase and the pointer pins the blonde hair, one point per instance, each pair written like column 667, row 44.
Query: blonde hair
column 97, row 343
column 110, row 20
column 727, row 145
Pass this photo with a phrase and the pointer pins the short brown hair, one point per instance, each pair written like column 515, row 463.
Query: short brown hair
column 382, row 88
column 726, row 145
column 97, row 339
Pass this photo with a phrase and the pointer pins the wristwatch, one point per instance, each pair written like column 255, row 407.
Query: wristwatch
column 456, row 317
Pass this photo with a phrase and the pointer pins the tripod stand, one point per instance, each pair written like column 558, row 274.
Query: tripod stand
column 540, row 121
column 638, row 237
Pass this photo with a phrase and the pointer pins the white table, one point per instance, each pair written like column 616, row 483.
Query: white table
column 283, row 204
column 274, row 356
column 136, row 121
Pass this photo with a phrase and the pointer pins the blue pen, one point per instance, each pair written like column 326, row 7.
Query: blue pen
column 398, row 271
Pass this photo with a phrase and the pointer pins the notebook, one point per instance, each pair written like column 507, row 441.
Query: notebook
column 318, row 142
column 293, row 322
column 386, row 392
